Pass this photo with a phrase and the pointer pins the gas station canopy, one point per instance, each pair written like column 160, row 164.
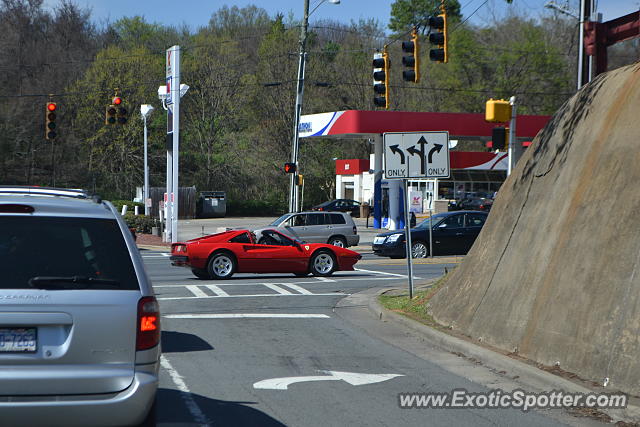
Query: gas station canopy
column 356, row 123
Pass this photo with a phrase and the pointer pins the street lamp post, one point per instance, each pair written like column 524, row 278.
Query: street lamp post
column 587, row 10
column 293, row 191
column 145, row 110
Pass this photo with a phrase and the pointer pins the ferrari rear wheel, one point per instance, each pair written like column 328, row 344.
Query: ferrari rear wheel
column 323, row 263
column 221, row 266
column 200, row 273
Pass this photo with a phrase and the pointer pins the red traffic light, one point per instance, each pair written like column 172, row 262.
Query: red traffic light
column 290, row 167
column 117, row 100
column 51, row 106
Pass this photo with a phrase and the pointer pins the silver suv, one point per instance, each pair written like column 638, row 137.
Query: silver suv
column 79, row 324
column 335, row 228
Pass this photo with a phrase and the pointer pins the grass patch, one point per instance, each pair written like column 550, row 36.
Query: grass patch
column 417, row 307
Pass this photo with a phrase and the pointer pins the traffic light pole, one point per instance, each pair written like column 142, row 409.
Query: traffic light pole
column 293, row 193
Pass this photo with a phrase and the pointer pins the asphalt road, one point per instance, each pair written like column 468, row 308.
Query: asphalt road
column 220, row 359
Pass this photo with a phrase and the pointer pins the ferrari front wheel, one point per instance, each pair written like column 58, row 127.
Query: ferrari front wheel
column 323, row 264
column 221, row 266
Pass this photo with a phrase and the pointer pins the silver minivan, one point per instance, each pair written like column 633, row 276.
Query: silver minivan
column 335, row 228
column 79, row 323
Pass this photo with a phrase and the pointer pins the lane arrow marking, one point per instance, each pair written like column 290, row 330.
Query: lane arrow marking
column 352, row 378
column 436, row 148
column 396, row 150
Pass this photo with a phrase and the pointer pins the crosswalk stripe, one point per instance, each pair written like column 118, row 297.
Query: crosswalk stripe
column 297, row 288
column 217, row 290
column 195, row 290
column 248, row 316
column 277, row 288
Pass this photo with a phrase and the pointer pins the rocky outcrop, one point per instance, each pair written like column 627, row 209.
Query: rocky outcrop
column 555, row 273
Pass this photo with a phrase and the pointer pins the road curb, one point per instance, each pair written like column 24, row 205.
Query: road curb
column 490, row 359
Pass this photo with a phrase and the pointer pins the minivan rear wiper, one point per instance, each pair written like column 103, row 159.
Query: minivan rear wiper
column 70, row 282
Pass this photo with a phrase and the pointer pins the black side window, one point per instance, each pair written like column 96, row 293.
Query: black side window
column 315, row 219
column 298, row 220
column 454, row 221
column 337, row 219
column 475, row 220
column 241, row 238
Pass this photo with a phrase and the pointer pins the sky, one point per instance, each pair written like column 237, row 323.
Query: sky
column 196, row 13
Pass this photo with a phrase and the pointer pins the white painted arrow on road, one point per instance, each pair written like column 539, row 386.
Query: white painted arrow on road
column 352, row 378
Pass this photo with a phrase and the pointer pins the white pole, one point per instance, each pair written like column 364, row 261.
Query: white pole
column 167, row 205
column 407, row 230
column 581, row 44
column 175, row 94
column 514, row 148
column 145, row 193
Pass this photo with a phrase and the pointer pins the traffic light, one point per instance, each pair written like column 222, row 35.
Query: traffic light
column 121, row 112
column 300, row 180
column 110, row 115
column 50, row 132
column 499, row 138
column 381, row 65
column 497, row 111
column 290, row 167
column 439, row 23
column 412, row 61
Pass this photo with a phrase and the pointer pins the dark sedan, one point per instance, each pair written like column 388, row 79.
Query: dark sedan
column 453, row 234
column 340, row 205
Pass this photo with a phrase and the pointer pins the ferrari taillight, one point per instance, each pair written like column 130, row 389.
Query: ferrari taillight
column 179, row 248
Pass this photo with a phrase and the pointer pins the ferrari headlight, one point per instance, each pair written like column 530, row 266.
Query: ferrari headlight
column 393, row 238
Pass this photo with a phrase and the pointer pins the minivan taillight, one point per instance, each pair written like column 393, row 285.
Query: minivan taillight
column 148, row 324
column 355, row 230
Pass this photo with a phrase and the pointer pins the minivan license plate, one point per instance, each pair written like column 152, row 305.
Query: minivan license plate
column 18, row 340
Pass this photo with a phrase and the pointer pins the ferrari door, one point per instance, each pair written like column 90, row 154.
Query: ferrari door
column 281, row 257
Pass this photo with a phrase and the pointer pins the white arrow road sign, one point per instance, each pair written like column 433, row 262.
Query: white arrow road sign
column 352, row 378
column 416, row 155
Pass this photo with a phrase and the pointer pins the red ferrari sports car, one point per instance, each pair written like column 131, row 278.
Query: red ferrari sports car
column 219, row 256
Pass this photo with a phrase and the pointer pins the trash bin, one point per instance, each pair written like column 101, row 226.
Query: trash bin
column 365, row 209
column 213, row 204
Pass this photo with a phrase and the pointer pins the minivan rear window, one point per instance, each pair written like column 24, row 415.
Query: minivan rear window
column 50, row 247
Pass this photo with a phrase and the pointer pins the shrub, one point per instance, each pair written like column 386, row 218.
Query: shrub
column 141, row 223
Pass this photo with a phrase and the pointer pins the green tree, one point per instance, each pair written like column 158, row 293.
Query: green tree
column 409, row 13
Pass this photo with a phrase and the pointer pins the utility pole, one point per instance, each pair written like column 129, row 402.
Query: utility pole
column 293, row 194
